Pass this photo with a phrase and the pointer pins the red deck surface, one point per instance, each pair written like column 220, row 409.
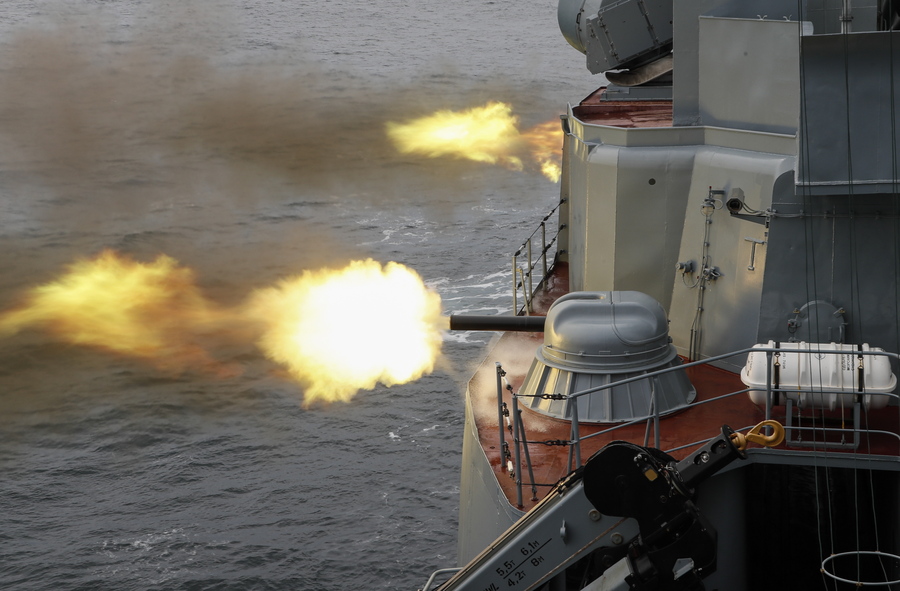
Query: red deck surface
column 696, row 424
column 624, row 113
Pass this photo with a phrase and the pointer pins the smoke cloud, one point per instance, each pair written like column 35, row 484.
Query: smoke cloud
column 131, row 119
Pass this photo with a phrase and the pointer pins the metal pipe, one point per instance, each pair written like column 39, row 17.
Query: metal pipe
column 530, row 295
column 649, row 421
column 498, row 323
column 515, row 277
column 521, row 274
column 518, row 466
column 530, row 276
column 434, row 575
column 769, row 400
column 544, row 249
column 846, row 17
column 576, row 432
column 527, row 456
column 500, row 373
column 655, row 417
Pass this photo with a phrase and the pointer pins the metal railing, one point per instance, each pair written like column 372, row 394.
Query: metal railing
column 523, row 277
column 438, row 573
column 514, row 425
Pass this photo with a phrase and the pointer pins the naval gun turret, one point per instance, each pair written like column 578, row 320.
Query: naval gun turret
column 593, row 339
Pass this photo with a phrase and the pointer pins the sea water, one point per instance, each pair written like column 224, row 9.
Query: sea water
column 245, row 139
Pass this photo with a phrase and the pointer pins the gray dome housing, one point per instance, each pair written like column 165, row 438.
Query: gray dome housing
column 592, row 339
column 606, row 332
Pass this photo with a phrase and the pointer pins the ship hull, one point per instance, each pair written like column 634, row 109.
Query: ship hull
column 484, row 511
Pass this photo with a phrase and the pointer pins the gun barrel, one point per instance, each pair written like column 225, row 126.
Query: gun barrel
column 498, row 323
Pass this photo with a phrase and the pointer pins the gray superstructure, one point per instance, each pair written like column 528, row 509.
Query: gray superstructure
column 813, row 158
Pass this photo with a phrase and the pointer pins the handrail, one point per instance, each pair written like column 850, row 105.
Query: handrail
column 440, row 571
column 574, row 459
column 527, row 274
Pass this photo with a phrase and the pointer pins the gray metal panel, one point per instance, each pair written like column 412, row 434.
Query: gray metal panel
column 577, row 219
column 723, row 500
column 652, row 190
column 624, row 234
column 731, row 303
column 851, row 82
column 686, row 28
column 825, row 15
column 599, row 209
column 776, row 10
column 831, row 249
column 631, row 216
column 748, row 74
column 627, row 33
column 686, row 88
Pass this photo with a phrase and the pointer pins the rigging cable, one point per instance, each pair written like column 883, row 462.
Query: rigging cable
column 896, row 198
column 871, row 469
column 894, row 181
column 856, row 306
column 810, row 275
column 853, row 293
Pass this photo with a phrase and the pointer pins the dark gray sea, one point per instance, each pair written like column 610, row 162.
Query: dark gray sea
column 245, row 138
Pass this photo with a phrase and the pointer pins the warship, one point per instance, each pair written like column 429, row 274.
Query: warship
column 697, row 386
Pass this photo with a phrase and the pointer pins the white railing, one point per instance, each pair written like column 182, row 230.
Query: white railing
column 523, row 277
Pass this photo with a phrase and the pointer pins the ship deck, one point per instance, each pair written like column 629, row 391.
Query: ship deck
column 623, row 113
column 679, row 433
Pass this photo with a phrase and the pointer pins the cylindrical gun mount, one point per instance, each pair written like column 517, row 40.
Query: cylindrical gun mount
column 498, row 323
